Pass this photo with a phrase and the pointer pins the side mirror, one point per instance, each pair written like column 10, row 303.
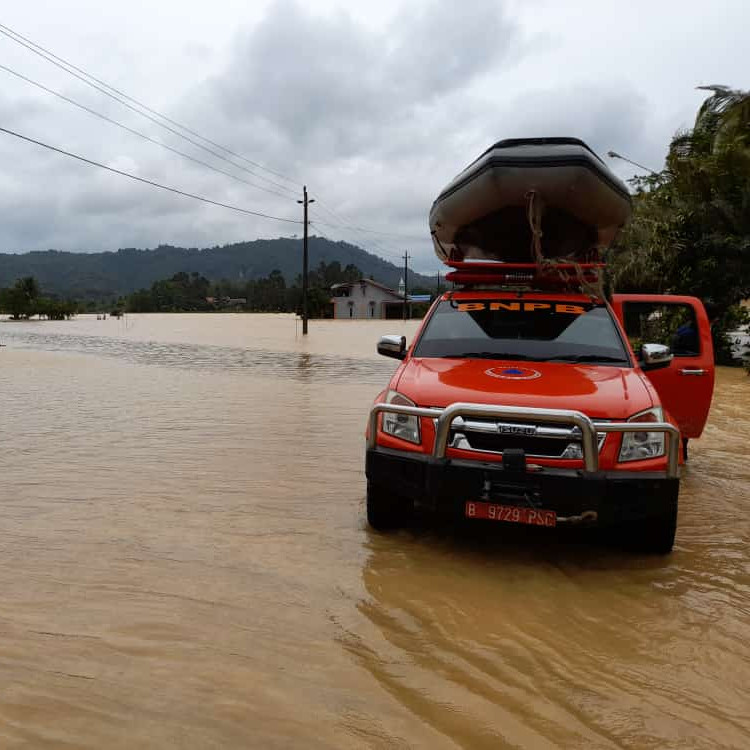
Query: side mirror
column 392, row 346
column 655, row 356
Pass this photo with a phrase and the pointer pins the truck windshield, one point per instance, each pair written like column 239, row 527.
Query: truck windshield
column 518, row 329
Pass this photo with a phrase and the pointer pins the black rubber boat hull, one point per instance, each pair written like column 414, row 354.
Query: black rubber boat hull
column 482, row 213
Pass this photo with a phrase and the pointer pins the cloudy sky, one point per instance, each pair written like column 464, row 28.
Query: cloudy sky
column 375, row 106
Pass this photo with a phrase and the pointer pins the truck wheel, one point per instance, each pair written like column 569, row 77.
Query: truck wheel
column 684, row 449
column 386, row 511
column 656, row 536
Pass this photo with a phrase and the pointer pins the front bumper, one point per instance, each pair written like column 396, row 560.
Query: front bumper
column 444, row 486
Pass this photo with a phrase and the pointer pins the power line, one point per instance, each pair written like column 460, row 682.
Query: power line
column 138, row 132
column 358, row 231
column 84, row 76
column 351, row 230
column 144, row 180
column 363, row 242
column 354, row 230
column 138, row 111
column 12, row 34
column 348, row 223
column 107, row 90
column 395, row 235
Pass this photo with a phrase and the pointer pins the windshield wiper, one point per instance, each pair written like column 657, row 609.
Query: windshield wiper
column 505, row 356
column 586, row 358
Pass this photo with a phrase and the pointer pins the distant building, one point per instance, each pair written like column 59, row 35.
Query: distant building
column 227, row 301
column 366, row 299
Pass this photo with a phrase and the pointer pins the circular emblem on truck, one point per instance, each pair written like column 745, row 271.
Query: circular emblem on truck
column 513, row 373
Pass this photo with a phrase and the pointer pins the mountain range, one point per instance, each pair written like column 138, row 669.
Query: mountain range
column 108, row 275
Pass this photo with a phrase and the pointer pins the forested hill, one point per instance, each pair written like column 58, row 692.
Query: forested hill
column 112, row 274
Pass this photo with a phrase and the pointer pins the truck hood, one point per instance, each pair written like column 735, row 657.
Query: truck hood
column 600, row 392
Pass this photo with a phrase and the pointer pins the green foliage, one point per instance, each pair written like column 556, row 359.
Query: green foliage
column 690, row 232
column 104, row 277
column 192, row 292
column 23, row 300
column 14, row 302
column 182, row 293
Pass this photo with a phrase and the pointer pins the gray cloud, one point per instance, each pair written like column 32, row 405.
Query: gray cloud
column 327, row 87
column 375, row 108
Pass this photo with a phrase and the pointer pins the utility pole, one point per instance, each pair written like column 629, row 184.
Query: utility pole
column 438, row 283
column 406, row 282
column 305, row 202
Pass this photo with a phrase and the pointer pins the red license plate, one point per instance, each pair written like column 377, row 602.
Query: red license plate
column 492, row 512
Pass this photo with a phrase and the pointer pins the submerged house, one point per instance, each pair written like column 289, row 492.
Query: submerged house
column 366, row 299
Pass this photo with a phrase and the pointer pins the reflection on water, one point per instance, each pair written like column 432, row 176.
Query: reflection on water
column 185, row 563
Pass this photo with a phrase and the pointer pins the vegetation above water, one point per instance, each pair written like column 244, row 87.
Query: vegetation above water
column 690, row 231
column 193, row 292
column 24, row 300
column 111, row 275
column 185, row 292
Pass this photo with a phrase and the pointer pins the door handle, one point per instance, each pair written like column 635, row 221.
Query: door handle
column 687, row 371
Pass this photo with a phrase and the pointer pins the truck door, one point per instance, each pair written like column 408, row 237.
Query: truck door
column 687, row 385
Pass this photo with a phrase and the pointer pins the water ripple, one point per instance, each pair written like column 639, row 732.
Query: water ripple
column 298, row 366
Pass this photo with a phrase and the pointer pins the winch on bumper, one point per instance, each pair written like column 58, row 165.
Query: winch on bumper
column 586, row 495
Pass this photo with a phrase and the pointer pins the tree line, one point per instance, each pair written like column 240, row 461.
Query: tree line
column 192, row 292
column 24, row 300
column 690, row 230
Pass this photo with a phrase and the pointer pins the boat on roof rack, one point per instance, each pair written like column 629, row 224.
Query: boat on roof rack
column 530, row 200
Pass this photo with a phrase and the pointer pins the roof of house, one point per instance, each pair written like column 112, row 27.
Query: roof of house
column 372, row 283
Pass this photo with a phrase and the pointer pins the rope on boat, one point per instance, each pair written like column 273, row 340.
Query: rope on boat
column 534, row 213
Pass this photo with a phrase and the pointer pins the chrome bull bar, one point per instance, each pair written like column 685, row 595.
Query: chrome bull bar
column 586, row 425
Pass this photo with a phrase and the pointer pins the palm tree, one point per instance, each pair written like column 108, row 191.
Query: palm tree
column 690, row 232
column 722, row 122
column 725, row 115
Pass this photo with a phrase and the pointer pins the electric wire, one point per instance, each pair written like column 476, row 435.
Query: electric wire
column 146, row 181
column 358, row 231
column 360, row 238
column 345, row 222
column 352, row 230
column 69, row 67
column 395, row 235
column 139, row 133
column 12, row 34
column 357, row 239
column 146, row 115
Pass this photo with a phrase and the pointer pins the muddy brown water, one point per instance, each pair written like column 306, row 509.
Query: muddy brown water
column 184, row 562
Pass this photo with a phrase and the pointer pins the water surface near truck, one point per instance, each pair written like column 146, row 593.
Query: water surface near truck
column 184, row 562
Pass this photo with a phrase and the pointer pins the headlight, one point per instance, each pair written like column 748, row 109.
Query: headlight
column 640, row 445
column 401, row 425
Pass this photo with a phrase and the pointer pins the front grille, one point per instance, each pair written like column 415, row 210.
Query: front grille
column 536, row 440
column 532, row 446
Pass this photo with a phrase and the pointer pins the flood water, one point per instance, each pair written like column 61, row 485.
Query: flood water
column 184, row 563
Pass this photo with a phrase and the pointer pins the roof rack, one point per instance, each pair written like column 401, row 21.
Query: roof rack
column 544, row 276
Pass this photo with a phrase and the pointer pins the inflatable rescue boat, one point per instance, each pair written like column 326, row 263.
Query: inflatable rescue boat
column 530, row 200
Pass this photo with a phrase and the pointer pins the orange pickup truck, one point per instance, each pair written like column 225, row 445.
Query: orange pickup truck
column 543, row 408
